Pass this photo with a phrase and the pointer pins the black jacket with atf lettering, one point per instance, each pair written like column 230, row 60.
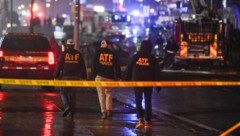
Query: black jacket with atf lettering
column 106, row 64
column 143, row 66
column 71, row 64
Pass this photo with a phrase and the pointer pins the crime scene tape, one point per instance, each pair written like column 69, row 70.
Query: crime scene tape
column 75, row 83
column 227, row 132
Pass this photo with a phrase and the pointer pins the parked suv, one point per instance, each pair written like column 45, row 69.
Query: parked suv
column 24, row 55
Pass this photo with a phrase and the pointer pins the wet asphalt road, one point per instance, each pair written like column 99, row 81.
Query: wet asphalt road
column 29, row 111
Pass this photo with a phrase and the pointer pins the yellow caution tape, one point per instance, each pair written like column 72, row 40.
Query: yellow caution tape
column 75, row 83
column 227, row 132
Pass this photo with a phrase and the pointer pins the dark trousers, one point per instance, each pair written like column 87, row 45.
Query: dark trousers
column 168, row 61
column 68, row 95
column 147, row 92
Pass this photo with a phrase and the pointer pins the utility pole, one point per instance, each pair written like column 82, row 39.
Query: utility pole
column 11, row 15
column 76, row 23
column 211, row 5
column 31, row 18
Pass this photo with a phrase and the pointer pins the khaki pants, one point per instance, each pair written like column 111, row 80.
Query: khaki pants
column 104, row 95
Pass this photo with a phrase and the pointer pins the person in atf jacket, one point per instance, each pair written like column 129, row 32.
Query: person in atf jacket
column 70, row 66
column 143, row 66
column 106, row 67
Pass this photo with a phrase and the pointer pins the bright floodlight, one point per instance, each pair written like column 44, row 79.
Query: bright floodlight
column 98, row 8
column 135, row 13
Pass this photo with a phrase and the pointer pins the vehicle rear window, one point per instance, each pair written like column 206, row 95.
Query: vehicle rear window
column 26, row 43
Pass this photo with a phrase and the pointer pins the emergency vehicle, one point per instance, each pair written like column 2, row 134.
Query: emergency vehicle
column 24, row 55
column 200, row 37
column 113, row 23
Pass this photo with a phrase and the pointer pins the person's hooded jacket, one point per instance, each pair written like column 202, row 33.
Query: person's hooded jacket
column 106, row 64
column 70, row 64
column 143, row 65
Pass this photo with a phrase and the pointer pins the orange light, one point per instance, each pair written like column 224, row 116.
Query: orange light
column 199, row 37
column 181, row 36
column 184, row 49
column 50, row 58
column 215, row 37
column 1, row 53
column 213, row 50
column 52, row 94
column 35, row 7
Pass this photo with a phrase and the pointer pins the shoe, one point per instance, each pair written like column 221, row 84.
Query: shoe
column 109, row 113
column 70, row 115
column 104, row 115
column 140, row 124
column 148, row 124
column 66, row 111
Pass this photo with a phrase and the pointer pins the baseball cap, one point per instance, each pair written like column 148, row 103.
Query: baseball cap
column 105, row 43
column 70, row 42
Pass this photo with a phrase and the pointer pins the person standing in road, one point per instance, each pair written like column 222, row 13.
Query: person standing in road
column 63, row 45
column 143, row 66
column 170, row 51
column 106, row 67
column 72, row 67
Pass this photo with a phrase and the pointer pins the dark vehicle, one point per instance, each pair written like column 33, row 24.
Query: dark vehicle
column 201, row 38
column 90, row 49
column 28, row 56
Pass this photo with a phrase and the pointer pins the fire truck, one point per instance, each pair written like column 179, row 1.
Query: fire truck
column 200, row 37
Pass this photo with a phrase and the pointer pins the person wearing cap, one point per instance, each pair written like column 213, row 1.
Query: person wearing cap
column 70, row 66
column 106, row 67
column 143, row 66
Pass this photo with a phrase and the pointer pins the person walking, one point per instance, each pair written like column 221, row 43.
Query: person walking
column 170, row 51
column 72, row 67
column 106, row 67
column 143, row 66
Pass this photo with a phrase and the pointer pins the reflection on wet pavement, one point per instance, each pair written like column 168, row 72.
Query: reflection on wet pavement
column 48, row 123
column 40, row 113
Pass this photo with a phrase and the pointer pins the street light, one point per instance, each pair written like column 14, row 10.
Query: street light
column 48, row 5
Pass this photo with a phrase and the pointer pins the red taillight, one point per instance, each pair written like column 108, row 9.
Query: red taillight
column 50, row 58
column 1, row 53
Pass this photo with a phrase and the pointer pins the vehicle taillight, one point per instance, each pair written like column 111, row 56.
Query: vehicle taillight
column 50, row 58
column 1, row 53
